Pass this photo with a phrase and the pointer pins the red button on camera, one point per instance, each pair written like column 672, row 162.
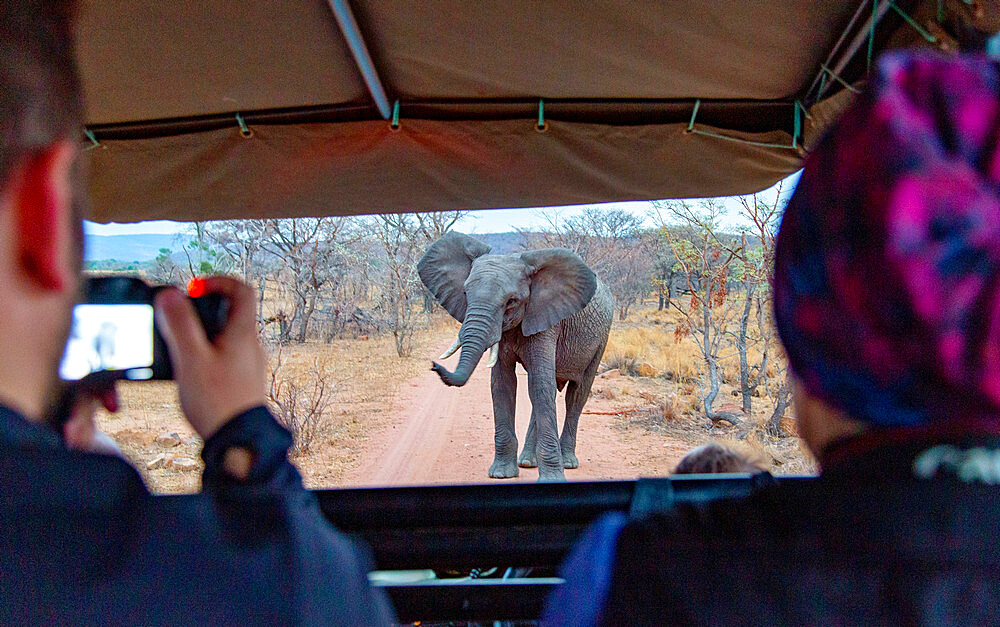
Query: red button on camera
column 196, row 287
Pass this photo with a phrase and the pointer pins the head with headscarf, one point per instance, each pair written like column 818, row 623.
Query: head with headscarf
column 887, row 277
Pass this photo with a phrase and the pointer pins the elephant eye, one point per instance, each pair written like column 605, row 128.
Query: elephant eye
column 511, row 301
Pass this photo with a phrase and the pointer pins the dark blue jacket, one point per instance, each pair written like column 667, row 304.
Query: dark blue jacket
column 900, row 534
column 83, row 541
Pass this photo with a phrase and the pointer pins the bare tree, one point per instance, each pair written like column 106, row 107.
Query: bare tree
column 398, row 236
column 691, row 232
column 310, row 250
column 433, row 225
column 758, row 267
column 666, row 271
column 163, row 269
column 611, row 241
column 240, row 241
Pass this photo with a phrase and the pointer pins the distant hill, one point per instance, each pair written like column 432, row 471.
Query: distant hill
column 502, row 243
column 144, row 247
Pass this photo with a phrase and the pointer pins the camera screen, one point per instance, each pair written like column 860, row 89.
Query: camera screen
column 109, row 337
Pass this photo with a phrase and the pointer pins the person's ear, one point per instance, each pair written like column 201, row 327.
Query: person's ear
column 42, row 197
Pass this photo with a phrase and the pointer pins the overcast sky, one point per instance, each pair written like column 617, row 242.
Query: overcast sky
column 485, row 221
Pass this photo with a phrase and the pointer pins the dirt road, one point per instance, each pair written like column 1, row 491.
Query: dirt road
column 441, row 435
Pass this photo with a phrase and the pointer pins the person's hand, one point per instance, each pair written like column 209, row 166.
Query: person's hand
column 216, row 380
column 81, row 433
column 78, row 404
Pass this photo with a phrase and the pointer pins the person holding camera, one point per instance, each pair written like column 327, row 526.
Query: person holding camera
column 83, row 540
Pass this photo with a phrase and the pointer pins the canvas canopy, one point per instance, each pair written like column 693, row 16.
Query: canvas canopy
column 215, row 109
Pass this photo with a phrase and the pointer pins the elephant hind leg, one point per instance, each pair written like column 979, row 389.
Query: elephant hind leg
column 577, row 394
column 528, row 458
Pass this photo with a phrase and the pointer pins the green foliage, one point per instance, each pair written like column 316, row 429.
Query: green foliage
column 202, row 257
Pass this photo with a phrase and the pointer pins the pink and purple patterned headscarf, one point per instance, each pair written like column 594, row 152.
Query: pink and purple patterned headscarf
column 887, row 278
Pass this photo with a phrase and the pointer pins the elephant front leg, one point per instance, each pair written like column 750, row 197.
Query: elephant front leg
column 503, row 385
column 540, row 364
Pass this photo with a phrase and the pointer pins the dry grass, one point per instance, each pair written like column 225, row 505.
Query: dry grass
column 365, row 376
column 148, row 409
column 671, row 404
column 786, row 457
column 650, row 338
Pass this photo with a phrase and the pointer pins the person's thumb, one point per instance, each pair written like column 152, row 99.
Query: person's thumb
column 180, row 326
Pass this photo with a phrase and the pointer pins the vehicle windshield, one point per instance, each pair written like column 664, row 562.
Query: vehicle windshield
column 351, row 330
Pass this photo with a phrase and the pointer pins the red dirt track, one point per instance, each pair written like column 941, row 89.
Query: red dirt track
column 442, row 435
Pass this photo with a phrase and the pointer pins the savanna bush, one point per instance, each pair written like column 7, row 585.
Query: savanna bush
column 300, row 399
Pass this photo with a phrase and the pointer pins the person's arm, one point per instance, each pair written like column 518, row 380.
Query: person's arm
column 250, row 452
column 222, row 394
column 331, row 573
column 587, row 574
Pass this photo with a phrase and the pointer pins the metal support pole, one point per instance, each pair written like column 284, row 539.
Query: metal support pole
column 859, row 38
column 349, row 27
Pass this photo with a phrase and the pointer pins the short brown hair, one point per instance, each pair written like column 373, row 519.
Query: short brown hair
column 40, row 96
column 714, row 458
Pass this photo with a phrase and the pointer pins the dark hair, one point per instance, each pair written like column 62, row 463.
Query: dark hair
column 40, row 96
column 713, row 458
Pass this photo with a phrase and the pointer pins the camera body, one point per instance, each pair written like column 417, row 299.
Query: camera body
column 114, row 330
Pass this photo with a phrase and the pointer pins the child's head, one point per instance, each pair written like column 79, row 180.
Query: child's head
column 714, row 458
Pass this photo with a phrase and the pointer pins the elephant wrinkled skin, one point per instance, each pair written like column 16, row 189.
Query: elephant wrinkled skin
column 544, row 309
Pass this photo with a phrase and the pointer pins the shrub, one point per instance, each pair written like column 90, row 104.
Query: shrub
column 300, row 401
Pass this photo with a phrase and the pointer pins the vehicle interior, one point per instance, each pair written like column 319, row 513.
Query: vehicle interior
column 221, row 109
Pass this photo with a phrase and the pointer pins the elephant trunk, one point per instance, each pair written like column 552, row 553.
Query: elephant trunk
column 476, row 330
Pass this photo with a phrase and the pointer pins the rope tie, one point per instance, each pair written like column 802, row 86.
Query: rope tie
column 799, row 109
column 244, row 129
column 837, row 78
column 93, row 140
column 871, row 32
column 912, row 22
column 394, row 124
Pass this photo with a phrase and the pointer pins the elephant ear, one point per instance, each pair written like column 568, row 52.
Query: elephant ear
column 445, row 267
column 561, row 285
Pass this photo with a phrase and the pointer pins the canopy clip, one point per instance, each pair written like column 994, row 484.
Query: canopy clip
column 394, row 124
column 244, row 129
column 93, row 140
column 542, row 124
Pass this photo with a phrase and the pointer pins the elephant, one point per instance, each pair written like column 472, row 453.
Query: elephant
column 544, row 309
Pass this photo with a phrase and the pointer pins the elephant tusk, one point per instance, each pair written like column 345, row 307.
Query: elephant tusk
column 451, row 351
column 494, row 355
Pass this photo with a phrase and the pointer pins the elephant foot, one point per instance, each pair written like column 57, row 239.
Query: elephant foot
column 551, row 476
column 503, row 469
column 527, row 460
column 570, row 461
